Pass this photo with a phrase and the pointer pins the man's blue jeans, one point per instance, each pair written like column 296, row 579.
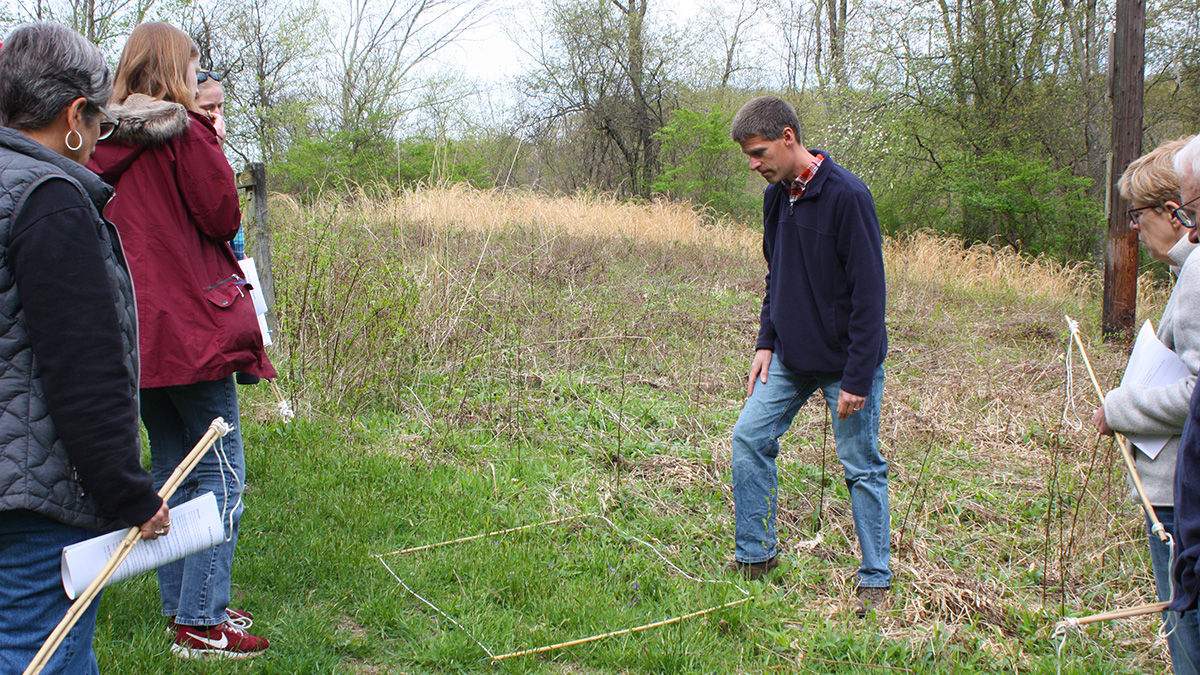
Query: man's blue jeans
column 32, row 599
column 196, row 590
column 1184, row 640
column 767, row 415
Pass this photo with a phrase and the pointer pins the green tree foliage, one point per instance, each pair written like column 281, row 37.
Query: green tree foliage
column 983, row 118
column 705, row 167
column 267, row 52
column 1016, row 201
column 994, row 122
column 342, row 162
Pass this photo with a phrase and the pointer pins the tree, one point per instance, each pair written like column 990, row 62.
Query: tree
column 379, row 45
column 730, row 25
column 603, row 80
column 706, row 167
column 795, row 23
column 100, row 21
column 268, row 53
column 979, row 84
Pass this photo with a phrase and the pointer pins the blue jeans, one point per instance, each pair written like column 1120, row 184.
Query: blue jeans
column 32, row 599
column 196, row 590
column 1184, row 640
column 767, row 415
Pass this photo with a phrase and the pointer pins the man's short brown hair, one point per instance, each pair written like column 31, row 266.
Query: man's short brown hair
column 1151, row 179
column 765, row 117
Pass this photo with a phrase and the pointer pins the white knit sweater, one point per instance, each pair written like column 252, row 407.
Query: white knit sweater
column 1137, row 409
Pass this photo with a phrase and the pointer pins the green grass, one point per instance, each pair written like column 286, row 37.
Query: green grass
column 533, row 378
column 323, row 503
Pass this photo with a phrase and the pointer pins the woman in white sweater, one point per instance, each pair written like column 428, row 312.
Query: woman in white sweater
column 1151, row 186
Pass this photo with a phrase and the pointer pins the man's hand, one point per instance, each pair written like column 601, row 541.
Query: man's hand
column 848, row 404
column 159, row 524
column 1100, row 421
column 218, row 121
column 758, row 369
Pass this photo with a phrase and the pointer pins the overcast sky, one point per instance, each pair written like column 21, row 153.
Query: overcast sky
column 488, row 52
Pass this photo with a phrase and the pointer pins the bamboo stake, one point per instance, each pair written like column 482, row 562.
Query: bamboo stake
column 217, row 429
column 624, row 631
column 1128, row 613
column 281, row 403
column 1126, row 454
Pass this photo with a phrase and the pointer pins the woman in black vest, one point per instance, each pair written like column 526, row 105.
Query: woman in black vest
column 70, row 461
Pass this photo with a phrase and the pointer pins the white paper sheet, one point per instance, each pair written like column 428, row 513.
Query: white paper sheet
column 1152, row 365
column 195, row 526
column 250, row 271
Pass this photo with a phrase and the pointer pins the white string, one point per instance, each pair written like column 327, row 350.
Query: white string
column 223, row 464
column 600, row 517
column 667, row 561
column 220, row 426
column 1169, row 614
column 1061, row 630
column 1069, row 404
column 435, row 608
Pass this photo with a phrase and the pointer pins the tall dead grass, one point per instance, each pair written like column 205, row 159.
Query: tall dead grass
column 460, row 207
column 944, row 260
column 924, row 256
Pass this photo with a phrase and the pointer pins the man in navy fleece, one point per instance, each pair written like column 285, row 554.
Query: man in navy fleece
column 1187, row 466
column 821, row 327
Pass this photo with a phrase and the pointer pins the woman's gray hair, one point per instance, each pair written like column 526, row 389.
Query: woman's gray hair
column 1187, row 160
column 43, row 67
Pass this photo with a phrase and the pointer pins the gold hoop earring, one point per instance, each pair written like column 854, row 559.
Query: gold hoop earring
column 77, row 145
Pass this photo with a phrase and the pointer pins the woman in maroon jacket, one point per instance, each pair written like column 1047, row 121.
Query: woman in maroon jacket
column 176, row 206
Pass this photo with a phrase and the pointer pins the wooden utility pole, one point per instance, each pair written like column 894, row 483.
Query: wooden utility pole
column 1125, row 83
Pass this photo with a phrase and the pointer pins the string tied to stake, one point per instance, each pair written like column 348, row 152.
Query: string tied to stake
column 1069, row 403
column 1061, row 630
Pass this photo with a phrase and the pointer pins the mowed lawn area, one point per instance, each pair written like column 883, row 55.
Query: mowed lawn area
column 584, row 359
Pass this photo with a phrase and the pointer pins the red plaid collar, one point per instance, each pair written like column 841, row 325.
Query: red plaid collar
column 796, row 187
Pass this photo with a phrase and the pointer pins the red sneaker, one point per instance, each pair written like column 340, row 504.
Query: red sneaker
column 223, row 641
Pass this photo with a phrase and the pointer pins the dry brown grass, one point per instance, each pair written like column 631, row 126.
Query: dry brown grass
column 944, row 261
column 460, row 207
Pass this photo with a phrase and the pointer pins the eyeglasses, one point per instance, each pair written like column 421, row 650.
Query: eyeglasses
column 1186, row 219
column 107, row 125
column 206, row 75
column 1135, row 215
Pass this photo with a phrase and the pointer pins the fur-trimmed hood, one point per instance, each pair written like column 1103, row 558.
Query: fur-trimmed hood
column 148, row 121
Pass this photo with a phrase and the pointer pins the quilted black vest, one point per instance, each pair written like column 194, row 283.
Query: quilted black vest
column 35, row 472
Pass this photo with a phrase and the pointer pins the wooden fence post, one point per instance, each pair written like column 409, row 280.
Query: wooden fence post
column 258, row 231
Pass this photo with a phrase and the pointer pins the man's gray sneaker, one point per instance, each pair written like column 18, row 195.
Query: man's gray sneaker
column 754, row 570
column 869, row 598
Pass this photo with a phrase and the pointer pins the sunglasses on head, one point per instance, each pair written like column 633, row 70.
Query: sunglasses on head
column 108, row 124
column 206, row 75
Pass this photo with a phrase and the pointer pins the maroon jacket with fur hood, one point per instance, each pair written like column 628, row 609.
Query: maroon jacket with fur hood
column 176, row 207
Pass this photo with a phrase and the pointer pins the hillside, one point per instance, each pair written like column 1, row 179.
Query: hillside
column 465, row 362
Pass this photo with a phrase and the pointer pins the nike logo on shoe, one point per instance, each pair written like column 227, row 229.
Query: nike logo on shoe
column 215, row 644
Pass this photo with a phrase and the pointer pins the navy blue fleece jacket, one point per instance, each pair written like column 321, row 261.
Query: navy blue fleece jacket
column 823, row 309
column 1187, row 511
